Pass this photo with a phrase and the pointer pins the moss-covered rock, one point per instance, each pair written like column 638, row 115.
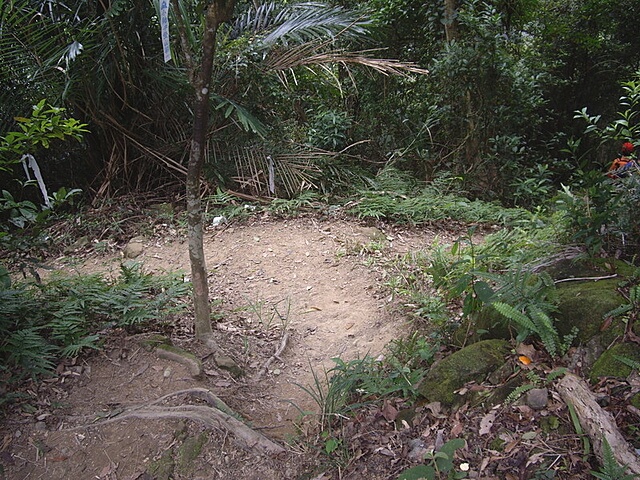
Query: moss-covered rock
column 584, row 304
column 474, row 362
column 188, row 452
column 482, row 325
column 609, row 366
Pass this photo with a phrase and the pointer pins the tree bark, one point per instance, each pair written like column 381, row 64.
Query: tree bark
column 598, row 423
column 217, row 12
column 450, row 24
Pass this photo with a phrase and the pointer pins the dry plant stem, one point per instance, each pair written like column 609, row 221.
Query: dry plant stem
column 211, row 416
column 276, row 355
column 581, row 279
column 598, row 423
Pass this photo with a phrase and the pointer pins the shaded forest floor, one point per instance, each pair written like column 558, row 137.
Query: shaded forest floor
column 320, row 282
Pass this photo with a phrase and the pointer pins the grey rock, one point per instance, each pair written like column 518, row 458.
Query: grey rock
column 537, row 398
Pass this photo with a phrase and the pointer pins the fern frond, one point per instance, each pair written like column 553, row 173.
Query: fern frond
column 514, row 315
column 518, row 392
column 629, row 362
column 544, row 328
column 611, row 470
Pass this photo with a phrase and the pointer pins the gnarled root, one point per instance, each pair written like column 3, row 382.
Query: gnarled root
column 215, row 415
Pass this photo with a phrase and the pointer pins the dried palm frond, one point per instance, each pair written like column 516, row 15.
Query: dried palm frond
column 269, row 174
column 310, row 54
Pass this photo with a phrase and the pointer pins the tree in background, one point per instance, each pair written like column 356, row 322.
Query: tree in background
column 285, row 38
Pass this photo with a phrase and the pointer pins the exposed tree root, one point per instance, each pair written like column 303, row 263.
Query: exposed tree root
column 214, row 415
column 181, row 356
column 275, row 356
column 598, row 423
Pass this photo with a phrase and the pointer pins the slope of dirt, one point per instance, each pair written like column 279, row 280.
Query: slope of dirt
column 303, row 278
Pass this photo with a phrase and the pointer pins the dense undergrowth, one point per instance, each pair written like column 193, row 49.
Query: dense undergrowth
column 494, row 263
column 45, row 322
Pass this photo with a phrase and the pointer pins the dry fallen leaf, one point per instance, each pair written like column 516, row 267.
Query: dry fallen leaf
column 524, row 359
column 487, row 423
column 389, row 412
column 526, row 350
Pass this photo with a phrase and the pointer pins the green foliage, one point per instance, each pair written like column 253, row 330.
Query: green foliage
column 610, row 469
column 601, row 211
column 533, row 187
column 531, row 319
column 292, row 207
column 61, row 317
column 328, row 130
column 631, row 307
column 440, row 464
column 535, row 381
column 601, row 215
column 428, row 204
column 627, row 126
column 629, row 362
column 45, row 125
column 348, row 385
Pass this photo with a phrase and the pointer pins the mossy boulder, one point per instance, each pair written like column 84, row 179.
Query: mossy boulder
column 581, row 304
column 474, row 362
column 484, row 324
column 610, row 366
column 584, row 305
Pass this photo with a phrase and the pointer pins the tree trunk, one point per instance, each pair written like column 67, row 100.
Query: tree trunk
column 217, row 12
column 450, row 28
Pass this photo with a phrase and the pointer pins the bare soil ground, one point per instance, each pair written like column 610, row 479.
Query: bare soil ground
column 306, row 278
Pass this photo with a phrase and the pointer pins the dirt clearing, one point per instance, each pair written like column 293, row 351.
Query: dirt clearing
column 317, row 281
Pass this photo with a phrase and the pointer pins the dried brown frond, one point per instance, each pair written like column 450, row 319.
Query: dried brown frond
column 308, row 54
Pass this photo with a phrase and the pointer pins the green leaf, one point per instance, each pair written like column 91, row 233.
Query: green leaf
column 484, row 291
column 418, row 473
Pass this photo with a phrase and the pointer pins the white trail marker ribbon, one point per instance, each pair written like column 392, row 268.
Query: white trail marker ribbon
column 164, row 29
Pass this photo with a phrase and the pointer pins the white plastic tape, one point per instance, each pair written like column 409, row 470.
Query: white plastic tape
column 164, row 29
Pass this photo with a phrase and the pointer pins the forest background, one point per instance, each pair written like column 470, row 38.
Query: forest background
column 496, row 112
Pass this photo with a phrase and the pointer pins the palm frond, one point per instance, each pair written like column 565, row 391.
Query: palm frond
column 259, row 19
column 310, row 54
column 298, row 23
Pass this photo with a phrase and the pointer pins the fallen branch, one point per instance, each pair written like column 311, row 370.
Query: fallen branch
column 598, row 423
column 275, row 356
column 211, row 415
column 582, row 279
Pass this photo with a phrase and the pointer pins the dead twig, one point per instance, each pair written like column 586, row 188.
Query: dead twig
column 275, row 356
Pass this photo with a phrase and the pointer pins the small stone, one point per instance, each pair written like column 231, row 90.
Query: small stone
column 227, row 363
column 40, row 426
column 134, row 248
column 417, row 450
column 217, row 221
column 537, row 398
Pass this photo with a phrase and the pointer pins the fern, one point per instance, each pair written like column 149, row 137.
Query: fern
column 514, row 315
column 629, row 362
column 610, row 469
column 545, row 329
column 29, row 352
column 73, row 350
column 39, row 323
column 518, row 392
